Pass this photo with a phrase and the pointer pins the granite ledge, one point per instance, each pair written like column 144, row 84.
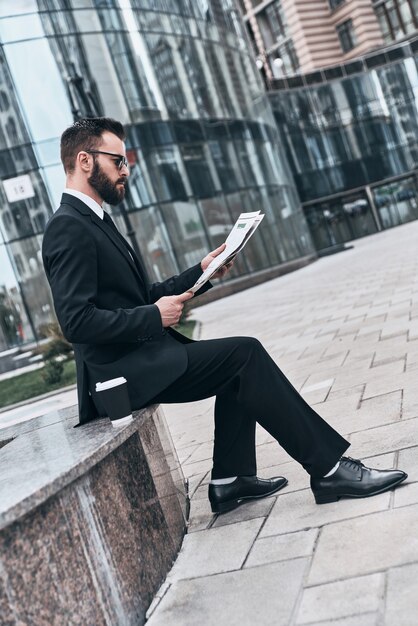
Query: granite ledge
column 41, row 461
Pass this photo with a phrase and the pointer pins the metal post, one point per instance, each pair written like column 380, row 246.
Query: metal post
column 27, row 311
column 373, row 207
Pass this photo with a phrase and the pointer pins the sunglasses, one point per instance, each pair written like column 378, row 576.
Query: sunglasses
column 119, row 160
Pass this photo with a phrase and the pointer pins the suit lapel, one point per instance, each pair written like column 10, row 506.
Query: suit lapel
column 112, row 233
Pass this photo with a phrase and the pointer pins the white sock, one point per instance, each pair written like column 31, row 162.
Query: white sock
column 334, row 469
column 223, row 481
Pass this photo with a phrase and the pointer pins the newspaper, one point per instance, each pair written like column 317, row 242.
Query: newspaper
column 243, row 229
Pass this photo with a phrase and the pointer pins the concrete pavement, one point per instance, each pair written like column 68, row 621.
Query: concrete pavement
column 345, row 332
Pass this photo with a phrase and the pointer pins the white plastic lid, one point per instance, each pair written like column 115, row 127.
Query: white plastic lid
column 108, row 384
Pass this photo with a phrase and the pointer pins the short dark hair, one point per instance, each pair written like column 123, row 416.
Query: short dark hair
column 85, row 134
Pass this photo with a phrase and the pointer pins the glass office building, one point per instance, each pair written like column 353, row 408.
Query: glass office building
column 202, row 141
column 350, row 133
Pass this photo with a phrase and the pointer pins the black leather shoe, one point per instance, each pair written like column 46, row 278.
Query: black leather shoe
column 224, row 498
column 354, row 480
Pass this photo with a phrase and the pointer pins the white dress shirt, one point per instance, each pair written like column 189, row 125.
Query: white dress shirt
column 92, row 204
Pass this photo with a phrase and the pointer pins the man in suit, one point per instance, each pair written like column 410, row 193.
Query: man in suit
column 120, row 325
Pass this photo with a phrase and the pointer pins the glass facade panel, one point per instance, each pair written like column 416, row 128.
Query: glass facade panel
column 397, row 202
column 397, row 18
column 347, row 134
column 186, row 231
column 340, row 220
column 350, row 132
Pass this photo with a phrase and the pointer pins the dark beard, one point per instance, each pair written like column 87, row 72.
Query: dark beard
column 104, row 186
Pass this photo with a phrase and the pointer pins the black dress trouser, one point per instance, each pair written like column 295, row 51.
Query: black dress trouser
column 250, row 388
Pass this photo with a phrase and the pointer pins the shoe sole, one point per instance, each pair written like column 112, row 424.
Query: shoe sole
column 327, row 499
column 224, row 507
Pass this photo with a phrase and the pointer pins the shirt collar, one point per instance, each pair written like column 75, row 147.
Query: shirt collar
column 92, row 204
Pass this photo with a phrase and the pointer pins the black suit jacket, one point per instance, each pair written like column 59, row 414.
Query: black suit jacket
column 105, row 307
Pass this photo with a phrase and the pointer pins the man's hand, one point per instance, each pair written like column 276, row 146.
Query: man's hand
column 212, row 255
column 171, row 308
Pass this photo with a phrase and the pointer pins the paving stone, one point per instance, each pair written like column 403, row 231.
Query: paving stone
column 203, row 452
column 193, row 469
column 402, row 596
column 366, row 619
column 408, row 462
column 271, row 454
column 201, row 514
column 351, row 395
column 406, row 494
column 372, row 413
column 381, row 461
column 368, row 339
column 195, row 483
column 298, row 510
column 317, row 385
column 282, row 547
column 387, row 405
column 201, row 492
column 185, row 453
column 410, row 402
column 313, row 397
column 216, row 550
column 355, row 377
column 401, row 434
column 362, row 420
column 393, row 344
column 262, row 436
column 394, row 329
column 388, row 357
column 248, row 510
column 389, row 382
column 247, row 597
column 341, row 599
column 297, row 477
column 365, row 545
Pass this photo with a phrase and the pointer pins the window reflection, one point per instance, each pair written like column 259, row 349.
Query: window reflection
column 340, row 220
column 186, row 231
column 350, row 132
column 154, row 242
column 43, row 72
column 397, row 202
column 397, row 18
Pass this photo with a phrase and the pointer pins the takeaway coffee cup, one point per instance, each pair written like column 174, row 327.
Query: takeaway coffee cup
column 115, row 400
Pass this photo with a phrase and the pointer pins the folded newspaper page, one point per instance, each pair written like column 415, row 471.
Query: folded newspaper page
column 243, row 229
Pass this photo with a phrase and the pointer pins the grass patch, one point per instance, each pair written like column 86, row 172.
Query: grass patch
column 186, row 328
column 31, row 384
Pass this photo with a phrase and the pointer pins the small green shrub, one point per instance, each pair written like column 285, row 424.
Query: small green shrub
column 52, row 372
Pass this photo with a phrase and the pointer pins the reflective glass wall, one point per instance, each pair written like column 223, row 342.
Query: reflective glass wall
column 350, row 135
column 202, row 141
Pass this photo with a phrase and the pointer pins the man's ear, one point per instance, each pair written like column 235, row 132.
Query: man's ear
column 84, row 161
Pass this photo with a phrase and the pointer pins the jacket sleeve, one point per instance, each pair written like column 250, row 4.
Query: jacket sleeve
column 176, row 285
column 70, row 261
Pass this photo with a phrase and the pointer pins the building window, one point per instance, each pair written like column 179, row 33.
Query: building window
column 397, row 18
column 287, row 53
column 346, row 35
column 333, row 4
column 277, row 21
column 272, row 24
